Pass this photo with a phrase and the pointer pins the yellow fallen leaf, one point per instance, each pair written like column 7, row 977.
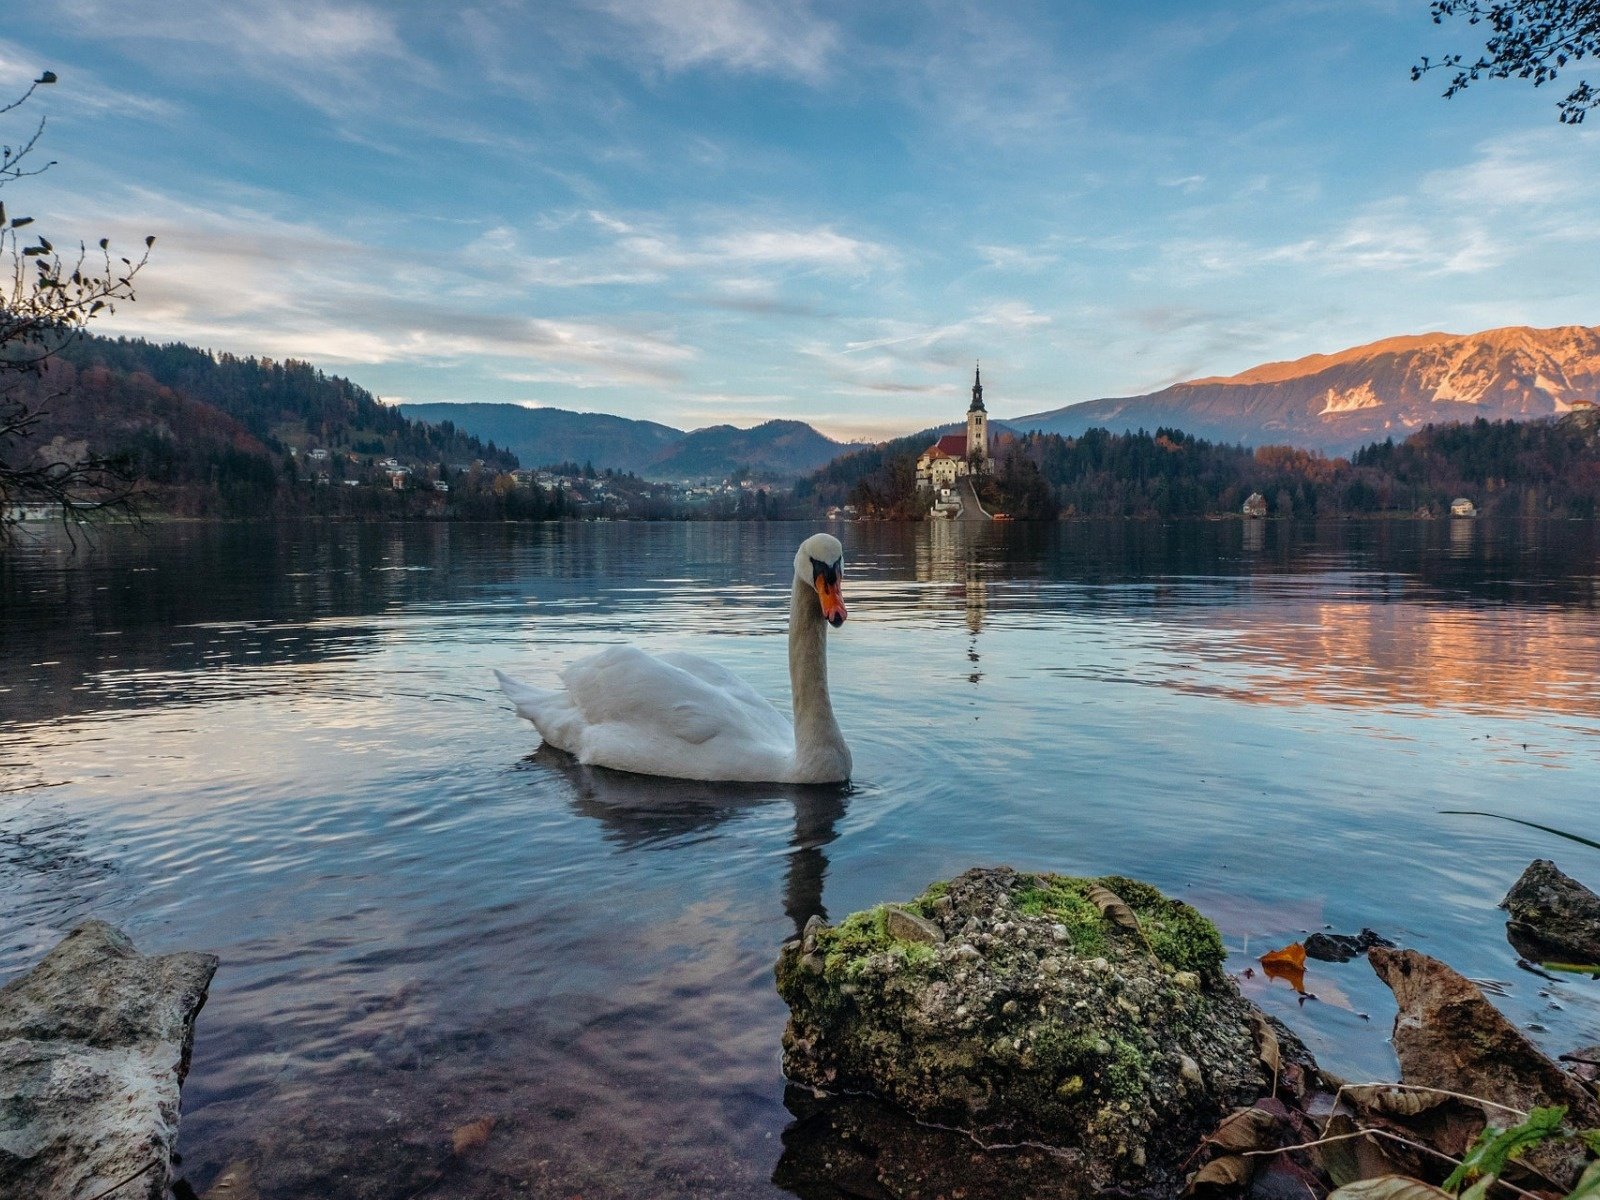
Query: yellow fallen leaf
column 1288, row 964
column 1292, row 955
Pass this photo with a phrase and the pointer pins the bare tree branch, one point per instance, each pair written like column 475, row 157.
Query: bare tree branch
column 47, row 300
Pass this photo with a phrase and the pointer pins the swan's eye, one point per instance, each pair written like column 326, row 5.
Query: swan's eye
column 821, row 570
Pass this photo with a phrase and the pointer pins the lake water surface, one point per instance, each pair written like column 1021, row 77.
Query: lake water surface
column 283, row 744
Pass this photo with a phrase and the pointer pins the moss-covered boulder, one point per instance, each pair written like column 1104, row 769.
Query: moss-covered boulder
column 1091, row 1015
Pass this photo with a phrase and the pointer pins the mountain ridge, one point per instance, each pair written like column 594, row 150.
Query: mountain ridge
column 779, row 449
column 1387, row 388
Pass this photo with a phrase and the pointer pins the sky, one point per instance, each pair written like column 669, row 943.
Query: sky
column 726, row 211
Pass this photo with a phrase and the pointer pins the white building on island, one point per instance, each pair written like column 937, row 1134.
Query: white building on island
column 955, row 454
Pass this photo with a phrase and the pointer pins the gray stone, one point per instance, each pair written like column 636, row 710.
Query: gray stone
column 808, row 936
column 94, row 1046
column 908, row 927
column 1342, row 947
column 1553, row 917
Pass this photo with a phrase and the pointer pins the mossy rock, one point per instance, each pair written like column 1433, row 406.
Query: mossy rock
column 1039, row 1017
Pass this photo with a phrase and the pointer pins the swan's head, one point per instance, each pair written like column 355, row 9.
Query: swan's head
column 818, row 564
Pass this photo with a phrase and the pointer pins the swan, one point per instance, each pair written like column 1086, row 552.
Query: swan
column 685, row 717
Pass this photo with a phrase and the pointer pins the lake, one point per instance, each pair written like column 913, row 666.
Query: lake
column 283, row 744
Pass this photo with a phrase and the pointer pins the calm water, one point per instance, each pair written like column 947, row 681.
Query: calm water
column 284, row 745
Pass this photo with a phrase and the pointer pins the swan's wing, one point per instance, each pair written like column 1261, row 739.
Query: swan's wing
column 627, row 689
column 755, row 706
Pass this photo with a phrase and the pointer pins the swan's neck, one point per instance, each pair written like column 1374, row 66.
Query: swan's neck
column 821, row 755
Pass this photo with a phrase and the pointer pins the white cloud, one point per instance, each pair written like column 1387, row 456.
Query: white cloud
column 77, row 88
column 637, row 252
column 779, row 37
column 1006, row 317
column 244, row 279
column 336, row 55
column 1529, row 171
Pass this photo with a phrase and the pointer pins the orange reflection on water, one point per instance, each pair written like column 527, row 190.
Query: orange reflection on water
column 1483, row 661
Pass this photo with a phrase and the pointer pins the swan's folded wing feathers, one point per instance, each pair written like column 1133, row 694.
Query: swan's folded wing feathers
column 753, row 704
column 625, row 686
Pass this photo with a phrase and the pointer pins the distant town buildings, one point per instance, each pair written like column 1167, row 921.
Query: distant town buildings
column 955, row 454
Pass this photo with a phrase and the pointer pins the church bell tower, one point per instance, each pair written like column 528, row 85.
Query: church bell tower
column 978, row 425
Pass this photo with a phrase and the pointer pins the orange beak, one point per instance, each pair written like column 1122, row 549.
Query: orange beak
column 832, row 602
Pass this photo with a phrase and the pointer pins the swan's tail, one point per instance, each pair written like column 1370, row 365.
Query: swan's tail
column 528, row 699
column 550, row 711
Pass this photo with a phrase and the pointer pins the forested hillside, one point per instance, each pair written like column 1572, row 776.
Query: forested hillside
column 217, row 435
column 289, row 403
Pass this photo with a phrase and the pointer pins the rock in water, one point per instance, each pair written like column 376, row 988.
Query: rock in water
column 94, row 1045
column 1046, row 1015
column 1342, row 947
column 1554, row 918
column 1448, row 1036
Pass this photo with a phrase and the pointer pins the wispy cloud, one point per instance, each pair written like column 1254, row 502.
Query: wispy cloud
column 637, row 251
column 79, row 89
column 248, row 280
column 320, row 51
column 777, row 37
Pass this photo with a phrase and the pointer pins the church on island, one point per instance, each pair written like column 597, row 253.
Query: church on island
column 956, row 454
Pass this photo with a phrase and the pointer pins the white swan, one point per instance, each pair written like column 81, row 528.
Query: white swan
column 685, row 717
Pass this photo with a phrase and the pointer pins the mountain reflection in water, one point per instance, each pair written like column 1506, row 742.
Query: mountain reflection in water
column 284, row 744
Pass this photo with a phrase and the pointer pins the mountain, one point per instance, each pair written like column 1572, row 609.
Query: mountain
column 545, row 436
column 1390, row 388
column 776, row 450
column 205, row 434
column 282, row 405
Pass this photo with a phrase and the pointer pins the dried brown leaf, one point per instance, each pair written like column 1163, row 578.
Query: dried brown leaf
column 1229, row 1173
column 1247, row 1129
column 1267, row 1045
column 1390, row 1187
column 471, row 1135
column 1396, row 1102
column 1113, row 907
column 1358, row 1158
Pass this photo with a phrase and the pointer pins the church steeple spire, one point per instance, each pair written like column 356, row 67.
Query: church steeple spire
column 977, row 390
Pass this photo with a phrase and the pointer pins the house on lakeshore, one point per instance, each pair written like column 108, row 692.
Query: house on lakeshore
column 957, row 454
column 1462, row 507
column 1256, row 505
column 30, row 510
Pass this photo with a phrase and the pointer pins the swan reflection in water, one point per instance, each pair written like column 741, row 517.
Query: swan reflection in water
column 643, row 811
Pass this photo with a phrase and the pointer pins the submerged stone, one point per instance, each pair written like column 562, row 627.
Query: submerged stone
column 1342, row 947
column 1087, row 1015
column 94, row 1046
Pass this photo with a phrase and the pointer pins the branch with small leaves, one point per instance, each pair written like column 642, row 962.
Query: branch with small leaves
column 46, row 299
column 1528, row 39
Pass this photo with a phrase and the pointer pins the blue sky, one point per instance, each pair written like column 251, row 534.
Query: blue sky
column 701, row 211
